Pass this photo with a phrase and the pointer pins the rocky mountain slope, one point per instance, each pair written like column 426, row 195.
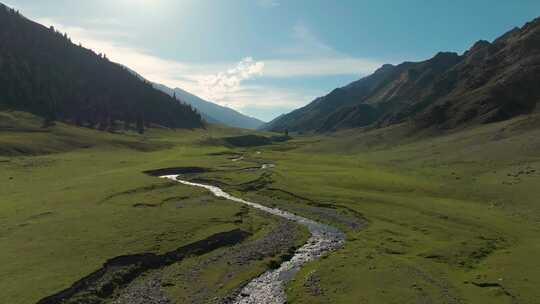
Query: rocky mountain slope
column 492, row 81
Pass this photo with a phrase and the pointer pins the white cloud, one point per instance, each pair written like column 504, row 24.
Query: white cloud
column 217, row 86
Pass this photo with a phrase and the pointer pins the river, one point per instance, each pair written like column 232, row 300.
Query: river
column 269, row 288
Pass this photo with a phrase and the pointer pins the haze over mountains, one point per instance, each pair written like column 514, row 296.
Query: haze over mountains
column 211, row 112
column 490, row 82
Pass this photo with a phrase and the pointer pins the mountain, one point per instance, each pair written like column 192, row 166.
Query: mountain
column 43, row 72
column 212, row 112
column 492, row 81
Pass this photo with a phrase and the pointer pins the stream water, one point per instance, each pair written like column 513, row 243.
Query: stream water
column 269, row 288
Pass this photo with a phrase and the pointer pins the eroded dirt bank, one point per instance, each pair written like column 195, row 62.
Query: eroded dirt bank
column 116, row 273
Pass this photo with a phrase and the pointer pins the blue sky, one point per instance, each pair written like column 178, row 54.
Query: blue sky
column 267, row 57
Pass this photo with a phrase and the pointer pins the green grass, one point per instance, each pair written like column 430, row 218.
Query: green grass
column 443, row 213
column 62, row 215
column 447, row 214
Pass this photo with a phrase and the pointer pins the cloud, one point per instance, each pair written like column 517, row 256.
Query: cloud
column 219, row 85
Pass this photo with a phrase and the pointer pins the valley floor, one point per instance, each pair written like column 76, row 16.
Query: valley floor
column 452, row 218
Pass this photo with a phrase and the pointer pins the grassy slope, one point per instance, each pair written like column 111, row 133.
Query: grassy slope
column 63, row 214
column 446, row 214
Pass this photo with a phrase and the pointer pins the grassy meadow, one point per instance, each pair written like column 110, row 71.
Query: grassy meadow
column 452, row 219
column 73, row 198
column 443, row 219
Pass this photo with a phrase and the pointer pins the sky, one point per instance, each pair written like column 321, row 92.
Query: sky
column 268, row 57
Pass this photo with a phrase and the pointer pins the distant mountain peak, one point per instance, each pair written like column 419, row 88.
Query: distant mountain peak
column 212, row 112
column 384, row 67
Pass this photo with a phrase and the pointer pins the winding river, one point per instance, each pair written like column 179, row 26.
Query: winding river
column 269, row 288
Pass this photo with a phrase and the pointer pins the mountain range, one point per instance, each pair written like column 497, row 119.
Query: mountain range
column 43, row 72
column 490, row 82
column 212, row 112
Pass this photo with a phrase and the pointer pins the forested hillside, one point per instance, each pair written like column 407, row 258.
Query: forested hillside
column 43, row 72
